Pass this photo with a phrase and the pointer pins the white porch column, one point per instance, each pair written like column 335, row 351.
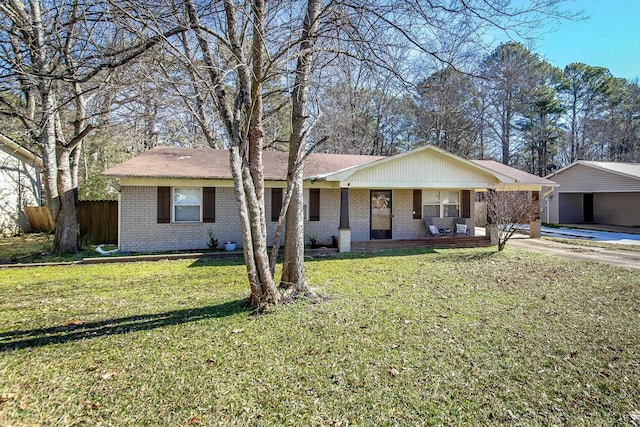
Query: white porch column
column 344, row 231
column 344, row 240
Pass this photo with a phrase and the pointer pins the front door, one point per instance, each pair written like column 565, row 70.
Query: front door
column 380, row 214
column 587, row 207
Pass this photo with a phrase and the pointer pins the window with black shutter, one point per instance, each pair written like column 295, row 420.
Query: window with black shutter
column 466, row 204
column 314, row 204
column 417, row 204
column 209, row 204
column 164, row 205
column 276, row 203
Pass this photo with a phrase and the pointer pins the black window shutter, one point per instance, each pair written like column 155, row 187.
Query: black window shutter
column 208, row 204
column 417, row 204
column 164, row 205
column 314, row 204
column 276, row 203
column 466, row 204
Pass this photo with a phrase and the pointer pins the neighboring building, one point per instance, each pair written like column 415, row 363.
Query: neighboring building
column 171, row 197
column 20, row 185
column 595, row 192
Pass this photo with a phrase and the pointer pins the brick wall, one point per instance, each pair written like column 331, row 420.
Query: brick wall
column 139, row 231
column 404, row 226
column 359, row 212
column 329, row 218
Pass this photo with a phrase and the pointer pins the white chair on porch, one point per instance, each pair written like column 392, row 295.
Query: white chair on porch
column 460, row 227
column 432, row 229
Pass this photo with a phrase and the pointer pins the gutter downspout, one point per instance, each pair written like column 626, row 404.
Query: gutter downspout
column 547, row 199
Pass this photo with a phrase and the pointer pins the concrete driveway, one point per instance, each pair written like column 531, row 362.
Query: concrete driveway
column 585, row 253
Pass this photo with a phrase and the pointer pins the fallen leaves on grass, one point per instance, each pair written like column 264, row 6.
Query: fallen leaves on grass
column 109, row 374
column 193, row 421
column 7, row 396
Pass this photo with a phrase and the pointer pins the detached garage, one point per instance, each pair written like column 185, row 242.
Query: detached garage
column 595, row 192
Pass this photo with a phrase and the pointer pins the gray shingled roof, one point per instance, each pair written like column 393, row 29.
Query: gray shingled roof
column 207, row 163
column 175, row 162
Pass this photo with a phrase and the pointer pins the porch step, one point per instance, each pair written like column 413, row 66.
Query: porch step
column 436, row 242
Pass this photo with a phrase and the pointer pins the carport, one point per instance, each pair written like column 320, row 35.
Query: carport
column 595, row 192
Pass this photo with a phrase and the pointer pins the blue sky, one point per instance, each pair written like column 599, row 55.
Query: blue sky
column 609, row 37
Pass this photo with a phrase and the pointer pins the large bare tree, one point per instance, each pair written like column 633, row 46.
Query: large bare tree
column 241, row 47
column 231, row 60
column 55, row 56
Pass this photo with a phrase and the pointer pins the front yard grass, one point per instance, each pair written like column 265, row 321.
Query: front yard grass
column 24, row 247
column 35, row 248
column 434, row 337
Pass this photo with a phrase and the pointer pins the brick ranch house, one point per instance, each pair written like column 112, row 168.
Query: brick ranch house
column 170, row 198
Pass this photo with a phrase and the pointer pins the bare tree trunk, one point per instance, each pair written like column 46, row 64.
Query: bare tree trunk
column 270, row 293
column 242, row 117
column 574, row 130
column 293, row 274
column 245, row 224
column 66, row 236
column 46, row 142
column 506, row 132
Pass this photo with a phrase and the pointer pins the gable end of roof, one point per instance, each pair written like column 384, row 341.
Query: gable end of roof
column 627, row 170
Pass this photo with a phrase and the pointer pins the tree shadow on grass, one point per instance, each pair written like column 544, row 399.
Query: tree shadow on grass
column 455, row 254
column 228, row 261
column 491, row 252
column 75, row 331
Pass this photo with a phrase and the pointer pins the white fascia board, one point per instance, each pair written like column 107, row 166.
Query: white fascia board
column 413, row 184
column 20, row 153
column 516, row 186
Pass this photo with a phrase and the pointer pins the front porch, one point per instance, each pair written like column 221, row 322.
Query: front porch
column 425, row 242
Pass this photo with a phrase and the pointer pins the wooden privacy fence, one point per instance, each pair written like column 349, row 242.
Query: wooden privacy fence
column 39, row 218
column 481, row 214
column 98, row 220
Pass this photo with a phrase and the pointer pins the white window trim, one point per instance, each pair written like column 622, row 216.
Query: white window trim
column 305, row 203
column 173, row 206
column 441, row 201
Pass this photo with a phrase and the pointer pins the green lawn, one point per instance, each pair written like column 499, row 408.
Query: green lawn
column 24, row 248
column 442, row 337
